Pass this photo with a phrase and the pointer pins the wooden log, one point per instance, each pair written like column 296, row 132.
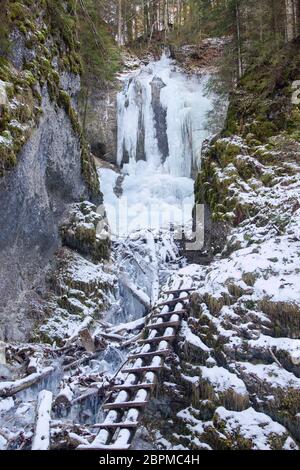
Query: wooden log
column 172, row 302
column 75, row 440
column 124, row 405
column 64, row 398
column 104, row 447
column 8, row 389
column 2, row 352
column 80, row 361
column 87, row 340
column 168, row 314
column 137, row 370
column 89, row 394
column 134, row 386
column 113, row 337
column 138, row 293
column 159, row 326
column 178, row 291
column 41, row 440
column 88, row 321
column 162, row 352
column 123, row 424
column 157, row 339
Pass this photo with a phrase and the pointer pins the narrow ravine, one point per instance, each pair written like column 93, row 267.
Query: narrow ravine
column 149, row 196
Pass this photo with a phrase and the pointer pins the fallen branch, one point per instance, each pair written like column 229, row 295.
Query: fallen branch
column 80, row 361
column 112, row 337
column 8, row 389
column 41, row 440
column 275, row 358
column 131, row 326
column 137, row 293
column 91, row 393
column 132, row 340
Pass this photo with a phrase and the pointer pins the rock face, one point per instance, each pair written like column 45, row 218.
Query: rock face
column 99, row 117
column 34, row 197
column 160, row 117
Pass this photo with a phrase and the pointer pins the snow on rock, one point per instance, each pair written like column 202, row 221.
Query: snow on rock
column 192, row 340
column 222, row 381
column 249, row 429
column 6, row 404
column 85, row 289
column 271, row 374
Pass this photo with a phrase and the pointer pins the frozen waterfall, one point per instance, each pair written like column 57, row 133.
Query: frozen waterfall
column 161, row 118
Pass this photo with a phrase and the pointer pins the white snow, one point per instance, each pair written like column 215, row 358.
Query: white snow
column 6, row 404
column 254, row 426
column 191, row 338
column 223, row 380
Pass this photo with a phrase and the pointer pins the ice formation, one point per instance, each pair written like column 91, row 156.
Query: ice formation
column 161, row 117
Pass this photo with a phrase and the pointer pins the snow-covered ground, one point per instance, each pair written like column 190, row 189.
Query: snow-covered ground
column 236, row 377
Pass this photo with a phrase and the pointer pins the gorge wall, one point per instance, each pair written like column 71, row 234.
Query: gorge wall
column 45, row 162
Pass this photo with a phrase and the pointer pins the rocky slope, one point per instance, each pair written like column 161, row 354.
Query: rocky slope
column 239, row 352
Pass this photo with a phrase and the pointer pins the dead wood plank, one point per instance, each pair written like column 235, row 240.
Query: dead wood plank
column 8, row 389
column 172, row 302
column 122, row 425
column 162, row 352
column 158, row 339
column 99, row 447
column 159, row 326
column 137, row 370
column 41, row 439
column 168, row 314
column 178, row 291
column 125, row 405
column 134, row 386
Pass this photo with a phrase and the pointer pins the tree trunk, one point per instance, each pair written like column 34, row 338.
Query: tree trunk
column 41, row 440
column 290, row 8
column 120, row 24
column 238, row 38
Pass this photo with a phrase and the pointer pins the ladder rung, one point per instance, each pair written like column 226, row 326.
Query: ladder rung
column 157, row 339
column 124, row 405
column 172, row 302
column 102, row 447
column 135, row 370
column 162, row 352
column 159, row 326
column 122, row 425
column 168, row 314
column 133, row 387
column 179, row 291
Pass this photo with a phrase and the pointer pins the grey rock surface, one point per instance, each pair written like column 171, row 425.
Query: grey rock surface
column 100, row 119
column 33, row 198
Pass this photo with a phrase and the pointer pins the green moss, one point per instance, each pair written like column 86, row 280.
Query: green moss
column 17, row 12
column 61, row 29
